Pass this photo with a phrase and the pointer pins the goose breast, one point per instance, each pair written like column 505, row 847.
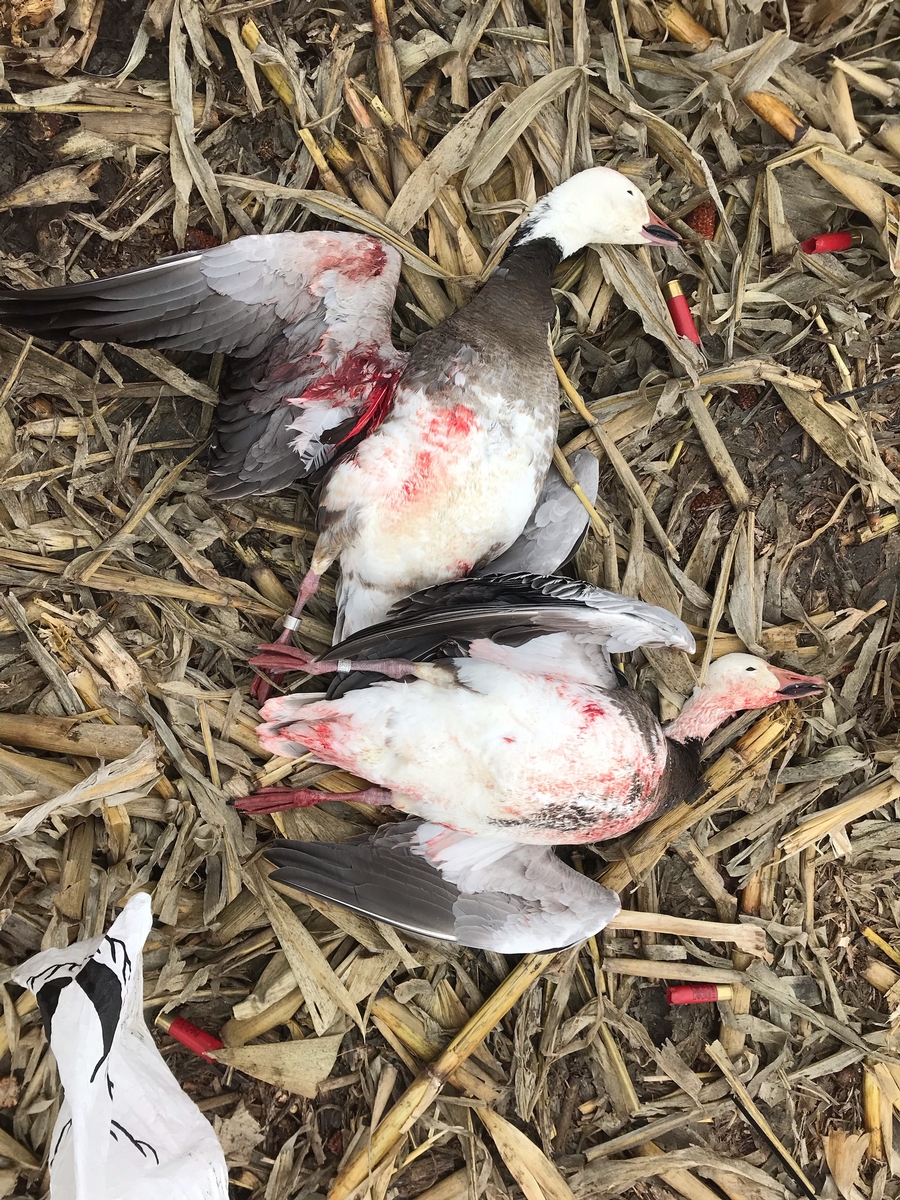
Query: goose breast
column 499, row 752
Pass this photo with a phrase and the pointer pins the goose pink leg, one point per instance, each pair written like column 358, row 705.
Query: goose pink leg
column 261, row 688
column 278, row 799
column 278, row 658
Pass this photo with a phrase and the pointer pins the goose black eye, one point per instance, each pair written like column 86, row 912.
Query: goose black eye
column 630, row 192
column 749, row 668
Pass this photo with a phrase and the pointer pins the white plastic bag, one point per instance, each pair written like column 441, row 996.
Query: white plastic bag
column 126, row 1130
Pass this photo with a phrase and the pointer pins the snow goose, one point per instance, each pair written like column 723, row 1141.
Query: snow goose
column 518, row 735
column 460, row 434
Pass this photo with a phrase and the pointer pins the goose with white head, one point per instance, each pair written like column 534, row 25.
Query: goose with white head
column 507, row 731
column 440, row 457
column 450, row 479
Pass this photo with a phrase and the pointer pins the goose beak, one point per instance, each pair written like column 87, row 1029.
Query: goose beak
column 792, row 686
column 658, row 233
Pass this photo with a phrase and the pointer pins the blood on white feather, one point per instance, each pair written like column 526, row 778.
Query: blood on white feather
column 518, row 748
column 436, row 490
column 355, row 353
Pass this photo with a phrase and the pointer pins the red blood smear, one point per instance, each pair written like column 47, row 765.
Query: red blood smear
column 376, row 408
column 449, row 424
column 367, row 264
column 693, row 993
column 421, row 473
column 195, row 1039
column 823, row 242
column 356, row 374
column 680, row 312
column 460, row 420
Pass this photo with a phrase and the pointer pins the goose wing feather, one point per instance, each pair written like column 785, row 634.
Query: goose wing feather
column 515, row 609
column 231, row 299
column 483, row 892
column 378, row 877
column 291, row 308
column 558, row 525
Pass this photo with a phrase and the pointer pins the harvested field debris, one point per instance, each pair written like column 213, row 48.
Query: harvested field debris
column 750, row 484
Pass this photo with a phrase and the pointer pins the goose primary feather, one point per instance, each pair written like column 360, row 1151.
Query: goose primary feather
column 503, row 721
column 484, row 892
column 460, row 433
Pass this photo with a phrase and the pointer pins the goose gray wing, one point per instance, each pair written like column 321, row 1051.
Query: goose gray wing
column 557, row 527
column 483, row 892
column 305, row 316
column 513, row 609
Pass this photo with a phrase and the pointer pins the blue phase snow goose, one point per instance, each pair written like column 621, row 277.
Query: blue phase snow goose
column 459, row 434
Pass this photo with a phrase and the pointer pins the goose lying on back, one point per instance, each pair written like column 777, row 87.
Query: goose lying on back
column 460, row 434
column 517, row 736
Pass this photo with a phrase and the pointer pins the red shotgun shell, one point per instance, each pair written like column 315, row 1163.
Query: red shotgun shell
column 680, row 312
column 822, row 243
column 189, row 1035
column 698, row 993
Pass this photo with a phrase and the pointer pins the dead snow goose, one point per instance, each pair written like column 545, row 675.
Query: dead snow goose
column 460, row 435
column 521, row 738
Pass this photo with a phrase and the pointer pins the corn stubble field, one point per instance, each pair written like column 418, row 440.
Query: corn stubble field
column 753, row 489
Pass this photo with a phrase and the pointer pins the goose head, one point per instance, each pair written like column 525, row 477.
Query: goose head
column 597, row 205
column 733, row 683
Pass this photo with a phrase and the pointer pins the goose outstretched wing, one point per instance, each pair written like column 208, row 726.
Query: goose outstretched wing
column 305, row 318
column 484, row 892
column 512, row 610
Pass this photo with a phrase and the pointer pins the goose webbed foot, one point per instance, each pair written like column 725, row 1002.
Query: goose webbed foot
column 278, row 659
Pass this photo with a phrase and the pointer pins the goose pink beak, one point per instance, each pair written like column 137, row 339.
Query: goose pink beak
column 792, row 686
column 658, row 233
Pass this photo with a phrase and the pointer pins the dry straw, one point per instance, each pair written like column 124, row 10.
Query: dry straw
column 762, row 469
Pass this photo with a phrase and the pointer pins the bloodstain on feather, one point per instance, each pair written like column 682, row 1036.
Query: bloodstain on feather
column 376, row 407
column 322, row 738
column 592, row 711
column 421, row 474
column 356, row 374
column 359, row 375
column 448, row 425
column 368, row 264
